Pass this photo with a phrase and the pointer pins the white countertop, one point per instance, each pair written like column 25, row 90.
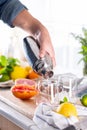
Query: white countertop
column 12, row 114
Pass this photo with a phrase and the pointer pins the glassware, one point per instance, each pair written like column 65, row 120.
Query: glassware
column 69, row 84
column 49, row 90
column 43, row 96
column 82, row 87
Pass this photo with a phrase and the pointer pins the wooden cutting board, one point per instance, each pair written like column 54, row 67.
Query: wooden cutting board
column 26, row 107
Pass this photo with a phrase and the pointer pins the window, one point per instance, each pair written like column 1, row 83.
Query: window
column 61, row 17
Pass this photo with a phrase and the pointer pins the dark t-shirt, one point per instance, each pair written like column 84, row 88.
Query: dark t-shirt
column 9, row 9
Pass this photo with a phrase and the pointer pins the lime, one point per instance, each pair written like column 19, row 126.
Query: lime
column 84, row 100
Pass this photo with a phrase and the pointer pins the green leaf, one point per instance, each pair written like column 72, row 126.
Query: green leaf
column 61, row 102
column 9, row 69
column 3, row 60
column 82, row 38
column 4, row 77
column 13, row 61
column 7, row 65
column 65, row 99
column 3, row 71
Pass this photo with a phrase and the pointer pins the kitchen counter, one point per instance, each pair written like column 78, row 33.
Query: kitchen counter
column 16, row 114
column 19, row 112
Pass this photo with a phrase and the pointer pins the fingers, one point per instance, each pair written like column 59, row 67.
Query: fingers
column 42, row 53
column 51, row 53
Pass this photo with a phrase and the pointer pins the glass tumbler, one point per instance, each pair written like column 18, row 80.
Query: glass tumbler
column 48, row 89
column 69, row 84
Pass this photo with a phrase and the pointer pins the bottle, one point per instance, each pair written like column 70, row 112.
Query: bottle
column 42, row 66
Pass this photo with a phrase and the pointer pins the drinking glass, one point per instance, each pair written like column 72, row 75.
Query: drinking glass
column 69, row 85
column 48, row 89
column 43, row 96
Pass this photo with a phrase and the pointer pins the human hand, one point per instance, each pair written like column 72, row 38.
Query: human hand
column 46, row 45
column 37, row 30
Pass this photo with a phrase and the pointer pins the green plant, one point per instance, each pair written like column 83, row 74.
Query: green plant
column 82, row 38
column 6, row 67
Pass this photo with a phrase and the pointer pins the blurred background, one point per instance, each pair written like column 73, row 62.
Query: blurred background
column 61, row 19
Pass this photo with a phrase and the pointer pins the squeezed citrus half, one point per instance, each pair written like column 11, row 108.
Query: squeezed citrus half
column 24, row 91
column 67, row 109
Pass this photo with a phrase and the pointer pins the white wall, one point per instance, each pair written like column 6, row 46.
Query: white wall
column 61, row 18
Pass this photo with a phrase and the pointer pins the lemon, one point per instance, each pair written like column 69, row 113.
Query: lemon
column 67, row 109
column 28, row 68
column 84, row 100
column 18, row 72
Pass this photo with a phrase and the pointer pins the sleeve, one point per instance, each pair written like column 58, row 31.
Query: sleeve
column 9, row 10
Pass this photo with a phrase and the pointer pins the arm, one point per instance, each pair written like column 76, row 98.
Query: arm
column 28, row 23
column 14, row 13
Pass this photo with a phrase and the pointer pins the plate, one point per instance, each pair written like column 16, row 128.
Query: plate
column 5, row 84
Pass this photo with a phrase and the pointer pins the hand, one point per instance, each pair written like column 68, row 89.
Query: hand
column 46, row 45
column 34, row 28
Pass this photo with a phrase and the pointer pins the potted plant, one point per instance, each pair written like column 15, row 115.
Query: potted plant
column 82, row 38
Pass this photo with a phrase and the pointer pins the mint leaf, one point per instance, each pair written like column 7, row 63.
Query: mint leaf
column 13, row 61
column 7, row 65
column 65, row 99
column 3, row 61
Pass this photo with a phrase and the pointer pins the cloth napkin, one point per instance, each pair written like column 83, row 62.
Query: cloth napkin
column 45, row 118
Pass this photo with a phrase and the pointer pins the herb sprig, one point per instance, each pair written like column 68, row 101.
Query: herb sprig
column 6, row 66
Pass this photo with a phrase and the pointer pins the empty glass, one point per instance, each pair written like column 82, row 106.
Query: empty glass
column 69, row 84
column 49, row 90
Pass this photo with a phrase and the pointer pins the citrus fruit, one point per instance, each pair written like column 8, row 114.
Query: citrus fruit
column 25, row 81
column 18, row 72
column 84, row 100
column 33, row 75
column 23, row 91
column 67, row 109
column 28, row 68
